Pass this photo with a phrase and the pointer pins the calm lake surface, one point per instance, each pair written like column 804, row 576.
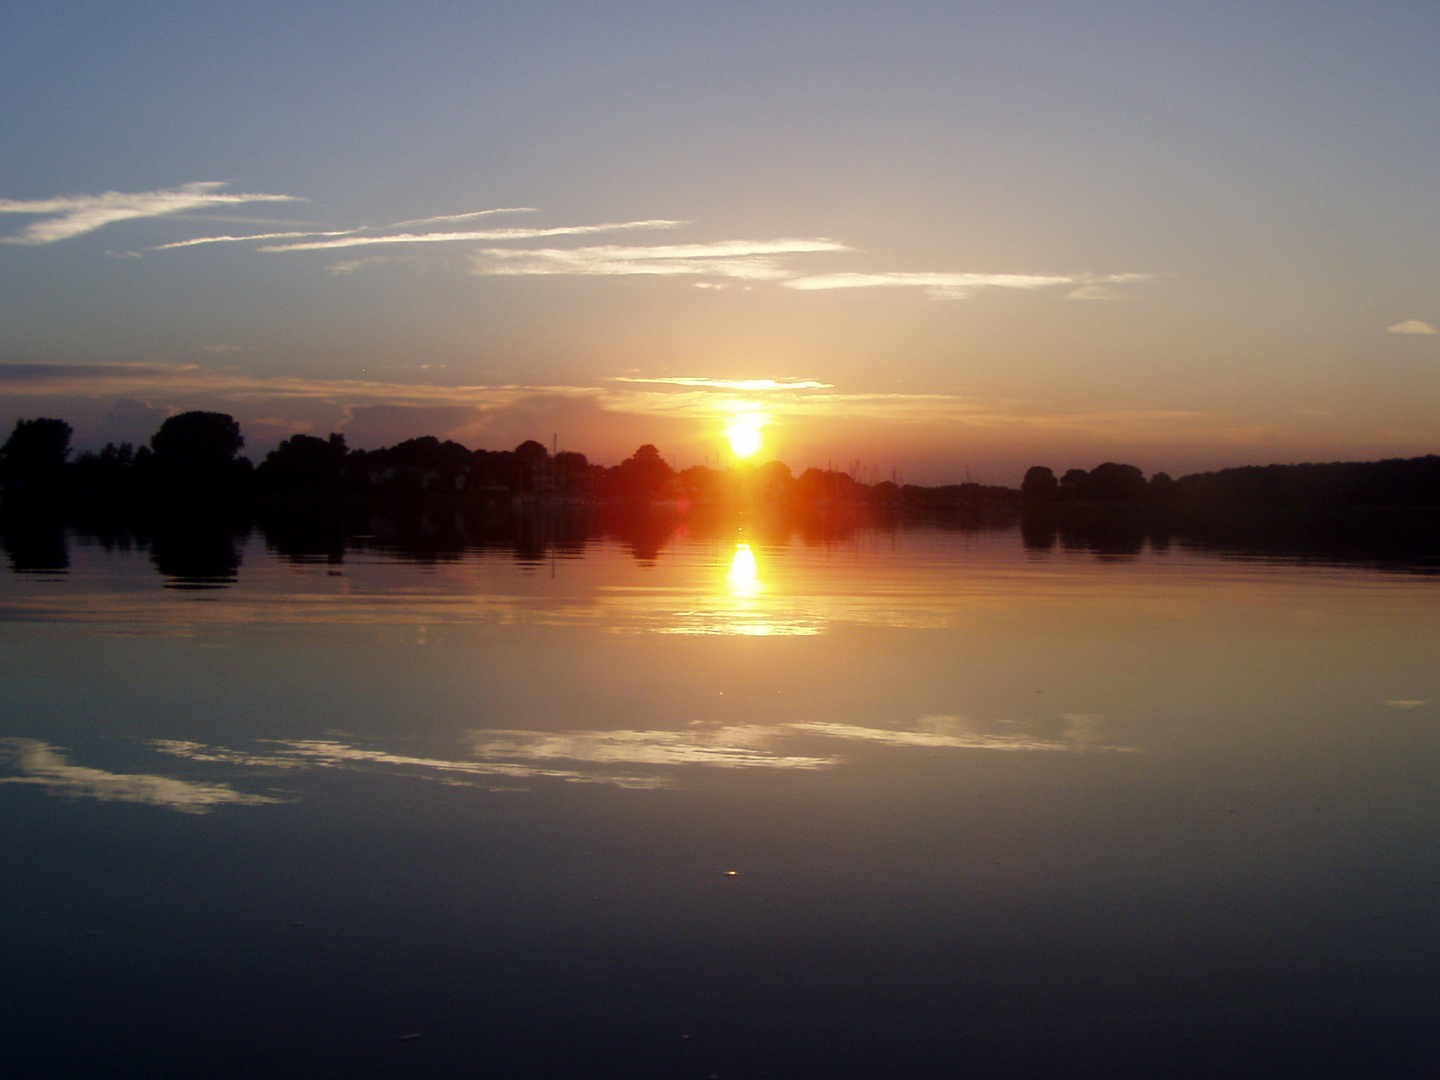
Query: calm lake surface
column 911, row 802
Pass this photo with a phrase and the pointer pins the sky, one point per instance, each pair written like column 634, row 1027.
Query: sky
column 939, row 239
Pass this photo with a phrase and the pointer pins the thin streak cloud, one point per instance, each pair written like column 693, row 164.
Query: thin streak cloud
column 755, row 260
column 331, row 754
column 935, row 286
column 738, row 747
column 949, row 736
column 1410, row 326
column 241, row 239
column 469, row 216
column 75, row 215
column 730, row 384
column 488, row 234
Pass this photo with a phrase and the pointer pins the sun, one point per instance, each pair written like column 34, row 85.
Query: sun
column 744, row 434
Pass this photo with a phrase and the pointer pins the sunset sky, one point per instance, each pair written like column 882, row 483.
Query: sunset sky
column 924, row 236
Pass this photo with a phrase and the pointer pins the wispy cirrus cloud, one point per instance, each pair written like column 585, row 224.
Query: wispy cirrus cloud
column 755, row 260
column 352, row 266
column 75, row 215
column 480, row 234
column 954, row 285
column 333, row 754
column 199, row 240
column 1081, row 731
column 715, row 262
column 695, row 397
column 728, row 384
column 735, row 747
column 469, row 215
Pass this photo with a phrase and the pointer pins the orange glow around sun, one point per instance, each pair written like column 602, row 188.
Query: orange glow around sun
column 744, row 433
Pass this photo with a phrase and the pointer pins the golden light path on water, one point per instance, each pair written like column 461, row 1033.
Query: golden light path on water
column 798, row 657
column 744, row 576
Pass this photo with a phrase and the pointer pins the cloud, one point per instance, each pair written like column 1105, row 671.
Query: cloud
column 730, row 384
column 935, row 286
column 228, row 239
column 45, row 766
column 756, row 260
column 961, row 286
column 241, row 239
column 1092, row 292
column 1081, row 732
column 75, row 215
column 195, row 751
column 351, row 266
column 486, row 234
column 1410, row 326
column 738, row 747
column 330, row 753
column 951, row 735
column 469, row 216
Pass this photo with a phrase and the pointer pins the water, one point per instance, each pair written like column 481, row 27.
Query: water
column 909, row 802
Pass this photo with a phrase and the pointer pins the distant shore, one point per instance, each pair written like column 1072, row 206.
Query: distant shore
column 189, row 494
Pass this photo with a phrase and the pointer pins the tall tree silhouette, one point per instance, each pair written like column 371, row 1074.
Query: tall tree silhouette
column 195, row 453
column 32, row 461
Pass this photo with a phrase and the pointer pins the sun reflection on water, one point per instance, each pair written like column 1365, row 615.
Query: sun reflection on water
column 743, row 577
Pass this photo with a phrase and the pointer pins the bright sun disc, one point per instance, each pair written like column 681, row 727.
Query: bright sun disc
column 743, row 432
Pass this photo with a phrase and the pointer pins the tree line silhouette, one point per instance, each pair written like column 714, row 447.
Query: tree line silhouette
column 190, row 498
column 196, row 456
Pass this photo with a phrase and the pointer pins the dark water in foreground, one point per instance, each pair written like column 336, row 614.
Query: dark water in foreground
column 918, row 803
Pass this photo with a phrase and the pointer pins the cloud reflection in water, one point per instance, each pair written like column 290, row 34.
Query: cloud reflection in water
column 737, row 747
column 43, row 765
column 329, row 753
column 954, row 732
column 512, row 755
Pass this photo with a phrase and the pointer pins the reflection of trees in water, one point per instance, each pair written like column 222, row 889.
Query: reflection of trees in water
column 202, row 549
column 36, row 544
column 309, row 535
column 197, row 552
column 1110, row 534
column 437, row 532
column 1399, row 539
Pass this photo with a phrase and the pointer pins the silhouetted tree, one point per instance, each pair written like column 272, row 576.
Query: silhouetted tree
column 1115, row 483
column 107, row 473
column 304, row 465
column 572, row 472
column 774, row 483
column 1074, row 484
column 32, row 461
column 195, row 452
column 641, row 476
column 1039, row 485
column 531, row 459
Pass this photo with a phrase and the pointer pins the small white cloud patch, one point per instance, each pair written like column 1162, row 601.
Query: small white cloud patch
column 1411, row 326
